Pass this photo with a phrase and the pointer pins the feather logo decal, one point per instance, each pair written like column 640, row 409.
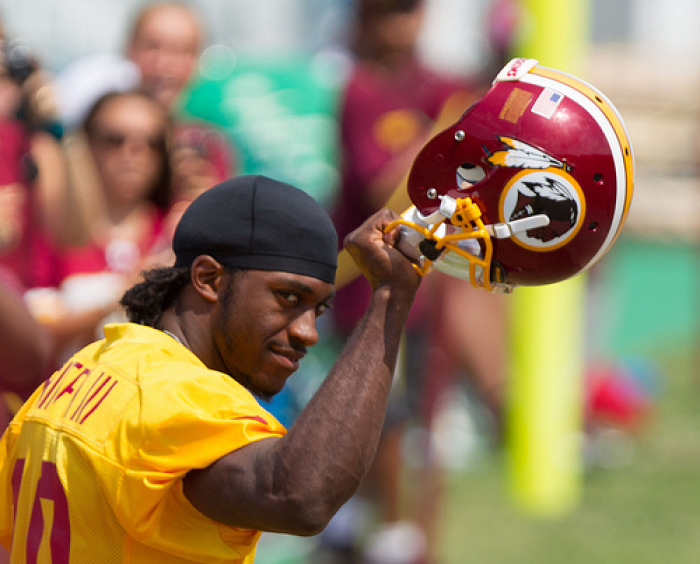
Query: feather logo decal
column 516, row 154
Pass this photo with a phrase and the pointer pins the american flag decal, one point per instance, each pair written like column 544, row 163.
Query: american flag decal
column 547, row 102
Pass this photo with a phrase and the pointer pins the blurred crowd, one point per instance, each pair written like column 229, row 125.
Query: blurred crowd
column 84, row 209
column 90, row 199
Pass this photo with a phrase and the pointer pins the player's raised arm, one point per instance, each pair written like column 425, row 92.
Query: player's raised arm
column 296, row 483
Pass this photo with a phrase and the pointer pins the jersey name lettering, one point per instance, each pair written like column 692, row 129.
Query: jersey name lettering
column 77, row 390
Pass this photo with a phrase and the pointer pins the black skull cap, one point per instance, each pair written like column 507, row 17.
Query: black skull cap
column 255, row 222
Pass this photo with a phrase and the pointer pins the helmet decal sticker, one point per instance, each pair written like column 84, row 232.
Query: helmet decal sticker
column 515, row 105
column 517, row 154
column 516, row 69
column 547, row 103
column 551, row 192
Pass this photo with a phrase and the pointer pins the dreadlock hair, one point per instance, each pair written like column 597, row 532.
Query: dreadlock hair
column 146, row 301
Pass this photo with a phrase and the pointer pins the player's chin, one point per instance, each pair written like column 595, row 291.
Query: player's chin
column 275, row 373
column 269, row 388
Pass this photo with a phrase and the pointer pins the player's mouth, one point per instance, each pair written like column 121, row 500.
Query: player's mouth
column 288, row 358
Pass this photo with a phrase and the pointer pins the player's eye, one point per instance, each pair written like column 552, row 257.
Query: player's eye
column 290, row 298
column 322, row 308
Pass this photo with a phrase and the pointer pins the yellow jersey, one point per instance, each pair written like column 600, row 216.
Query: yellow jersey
column 91, row 467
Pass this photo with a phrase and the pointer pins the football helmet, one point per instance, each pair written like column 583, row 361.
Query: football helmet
column 530, row 186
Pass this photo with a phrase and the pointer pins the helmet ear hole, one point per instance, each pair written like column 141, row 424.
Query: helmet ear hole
column 469, row 174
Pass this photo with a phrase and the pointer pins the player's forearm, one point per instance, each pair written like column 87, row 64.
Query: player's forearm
column 331, row 446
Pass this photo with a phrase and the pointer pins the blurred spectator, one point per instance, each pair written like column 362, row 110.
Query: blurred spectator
column 389, row 106
column 32, row 182
column 32, row 175
column 165, row 42
column 127, row 166
column 32, row 168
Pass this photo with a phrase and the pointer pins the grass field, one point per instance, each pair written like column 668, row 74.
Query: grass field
column 645, row 512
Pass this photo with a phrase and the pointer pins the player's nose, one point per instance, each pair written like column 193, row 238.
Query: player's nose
column 303, row 328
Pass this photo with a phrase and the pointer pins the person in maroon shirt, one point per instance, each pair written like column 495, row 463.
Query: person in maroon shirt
column 25, row 246
column 32, row 173
column 389, row 106
column 127, row 134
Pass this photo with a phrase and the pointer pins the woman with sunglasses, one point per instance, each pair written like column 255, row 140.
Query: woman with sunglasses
column 123, row 173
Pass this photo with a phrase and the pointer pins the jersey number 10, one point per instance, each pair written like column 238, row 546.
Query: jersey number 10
column 50, row 489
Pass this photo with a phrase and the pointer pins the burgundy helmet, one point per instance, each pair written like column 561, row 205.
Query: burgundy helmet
column 531, row 186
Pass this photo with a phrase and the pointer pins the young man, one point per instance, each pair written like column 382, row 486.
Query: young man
column 149, row 446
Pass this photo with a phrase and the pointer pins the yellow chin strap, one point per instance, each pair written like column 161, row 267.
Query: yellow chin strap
column 466, row 217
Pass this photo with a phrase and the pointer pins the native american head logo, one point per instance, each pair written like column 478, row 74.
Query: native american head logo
column 549, row 192
column 552, row 199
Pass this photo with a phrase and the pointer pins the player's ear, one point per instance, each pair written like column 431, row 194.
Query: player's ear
column 206, row 275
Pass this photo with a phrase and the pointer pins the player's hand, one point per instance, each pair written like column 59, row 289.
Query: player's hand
column 378, row 256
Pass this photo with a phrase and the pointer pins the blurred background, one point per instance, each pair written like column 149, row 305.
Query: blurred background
column 270, row 76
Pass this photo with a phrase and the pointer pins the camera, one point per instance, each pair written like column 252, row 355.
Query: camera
column 18, row 59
